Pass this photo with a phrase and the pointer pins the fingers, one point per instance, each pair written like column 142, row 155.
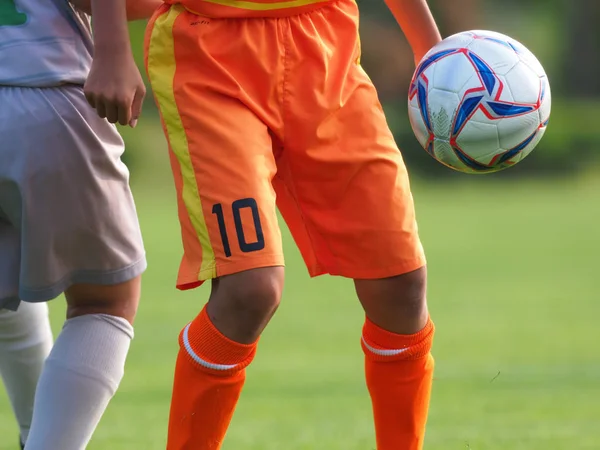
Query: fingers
column 124, row 112
column 136, row 105
column 118, row 107
column 113, row 109
column 108, row 109
column 113, row 112
column 90, row 97
column 100, row 109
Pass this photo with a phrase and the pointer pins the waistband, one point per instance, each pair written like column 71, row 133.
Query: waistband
column 231, row 9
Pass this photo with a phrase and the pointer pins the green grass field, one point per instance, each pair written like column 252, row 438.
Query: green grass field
column 513, row 290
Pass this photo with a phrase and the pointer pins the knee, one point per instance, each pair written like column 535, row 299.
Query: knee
column 242, row 304
column 120, row 300
column 410, row 291
column 398, row 304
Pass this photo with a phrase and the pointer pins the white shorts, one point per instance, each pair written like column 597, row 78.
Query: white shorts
column 67, row 215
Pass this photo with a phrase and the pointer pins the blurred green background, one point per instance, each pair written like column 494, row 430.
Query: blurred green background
column 512, row 261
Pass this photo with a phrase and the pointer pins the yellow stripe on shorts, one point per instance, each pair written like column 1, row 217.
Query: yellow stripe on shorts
column 254, row 6
column 161, row 71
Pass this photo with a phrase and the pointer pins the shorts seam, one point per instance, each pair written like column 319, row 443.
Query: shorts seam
column 292, row 191
column 291, row 186
column 284, row 84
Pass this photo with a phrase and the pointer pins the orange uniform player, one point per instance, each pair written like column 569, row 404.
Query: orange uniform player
column 265, row 104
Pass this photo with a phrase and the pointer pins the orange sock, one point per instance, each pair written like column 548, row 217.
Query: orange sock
column 399, row 372
column 209, row 376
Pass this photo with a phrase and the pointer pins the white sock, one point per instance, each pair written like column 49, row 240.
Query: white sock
column 80, row 377
column 25, row 342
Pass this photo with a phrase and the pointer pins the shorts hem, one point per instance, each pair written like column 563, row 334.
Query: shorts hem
column 105, row 278
column 192, row 280
column 10, row 303
column 371, row 273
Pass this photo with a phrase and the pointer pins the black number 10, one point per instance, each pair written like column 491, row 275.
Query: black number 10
column 236, row 208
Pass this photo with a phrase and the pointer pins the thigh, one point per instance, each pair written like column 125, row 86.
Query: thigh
column 68, row 193
column 350, row 184
column 217, row 120
column 120, row 300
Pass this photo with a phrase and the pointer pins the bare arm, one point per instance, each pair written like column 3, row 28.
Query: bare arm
column 417, row 23
column 136, row 9
column 114, row 86
column 110, row 26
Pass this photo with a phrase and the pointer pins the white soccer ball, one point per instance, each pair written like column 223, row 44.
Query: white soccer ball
column 479, row 102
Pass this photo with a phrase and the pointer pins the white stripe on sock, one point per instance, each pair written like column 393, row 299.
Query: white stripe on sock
column 383, row 352
column 195, row 357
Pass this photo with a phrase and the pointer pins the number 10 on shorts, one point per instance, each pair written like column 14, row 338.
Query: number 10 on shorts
column 236, row 209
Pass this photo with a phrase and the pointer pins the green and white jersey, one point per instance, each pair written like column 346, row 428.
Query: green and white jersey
column 43, row 43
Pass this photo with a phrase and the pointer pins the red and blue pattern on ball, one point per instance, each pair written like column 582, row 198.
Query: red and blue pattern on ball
column 485, row 98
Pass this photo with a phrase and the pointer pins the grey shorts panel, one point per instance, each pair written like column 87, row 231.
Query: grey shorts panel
column 66, row 211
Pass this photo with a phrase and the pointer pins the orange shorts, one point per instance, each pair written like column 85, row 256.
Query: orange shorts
column 261, row 113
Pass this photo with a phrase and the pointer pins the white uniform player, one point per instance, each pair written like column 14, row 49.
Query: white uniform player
column 67, row 224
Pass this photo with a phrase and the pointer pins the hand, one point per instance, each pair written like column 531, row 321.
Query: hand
column 114, row 87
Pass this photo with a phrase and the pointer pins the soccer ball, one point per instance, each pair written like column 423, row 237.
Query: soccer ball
column 479, row 102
